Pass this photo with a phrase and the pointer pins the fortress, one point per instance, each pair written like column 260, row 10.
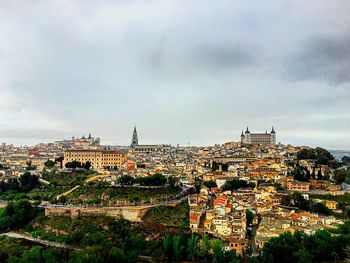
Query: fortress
column 258, row 138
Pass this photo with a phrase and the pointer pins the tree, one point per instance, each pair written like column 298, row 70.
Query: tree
column 17, row 214
column 33, row 255
column 177, row 248
column 171, row 181
column 59, row 160
column 319, row 174
column 125, row 180
column 73, row 165
column 235, row 184
column 62, row 199
column 49, row 164
column 87, row 165
column 28, row 181
column 303, row 256
column 218, row 252
column 281, row 249
column 192, row 247
column 249, row 217
column 204, row 246
column 346, row 159
column 210, row 184
column 167, row 245
column 341, row 176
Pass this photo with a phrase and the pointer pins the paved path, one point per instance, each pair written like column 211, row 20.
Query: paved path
column 27, row 236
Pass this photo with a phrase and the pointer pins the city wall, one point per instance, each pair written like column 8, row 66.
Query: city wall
column 130, row 213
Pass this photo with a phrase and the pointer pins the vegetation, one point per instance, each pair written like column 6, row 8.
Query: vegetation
column 49, row 164
column 341, row 176
column 23, row 184
column 342, row 200
column 346, row 159
column 210, row 184
column 28, row 181
column 322, row 246
column 192, row 247
column 320, row 155
column 173, row 216
column 236, row 184
column 16, row 250
column 17, row 214
column 99, row 192
column 302, row 174
column 67, row 178
column 76, row 164
column 296, row 199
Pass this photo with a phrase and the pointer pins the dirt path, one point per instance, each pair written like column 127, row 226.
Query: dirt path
column 27, row 236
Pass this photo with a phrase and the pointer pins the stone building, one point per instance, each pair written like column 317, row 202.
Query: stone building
column 258, row 138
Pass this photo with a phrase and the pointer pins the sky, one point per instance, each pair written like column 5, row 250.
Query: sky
column 185, row 72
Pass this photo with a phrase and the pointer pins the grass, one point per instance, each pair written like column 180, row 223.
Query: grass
column 172, row 216
column 68, row 178
column 107, row 194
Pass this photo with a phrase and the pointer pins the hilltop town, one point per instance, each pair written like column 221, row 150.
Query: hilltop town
column 242, row 193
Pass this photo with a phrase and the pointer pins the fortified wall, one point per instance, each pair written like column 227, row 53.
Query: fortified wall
column 130, row 213
column 133, row 214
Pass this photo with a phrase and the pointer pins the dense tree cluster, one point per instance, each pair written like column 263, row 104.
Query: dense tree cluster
column 298, row 200
column 320, row 155
column 342, row 176
column 28, row 181
column 195, row 248
column 24, row 183
column 153, row 180
column 210, row 184
column 76, row 164
column 301, row 173
column 17, row 214
column 235, row 184
column 49, row 164
column 346, row 159
column 322, row 246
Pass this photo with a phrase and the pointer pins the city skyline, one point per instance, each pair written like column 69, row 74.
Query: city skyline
column 197, row 77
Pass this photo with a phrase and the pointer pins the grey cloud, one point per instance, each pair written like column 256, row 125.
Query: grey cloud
column 321, row 58
column 222, row 57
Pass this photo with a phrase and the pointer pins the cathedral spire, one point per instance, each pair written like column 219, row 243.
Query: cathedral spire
column 134, row 140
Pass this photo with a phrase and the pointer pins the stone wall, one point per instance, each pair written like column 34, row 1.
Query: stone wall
column 133, row 214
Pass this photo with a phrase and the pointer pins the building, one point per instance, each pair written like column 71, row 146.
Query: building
column 79, row 143
column 297, row 186
column 331, row 204
column 97, row 158
column 146, row 148
column 134, row 140
column 258, row 138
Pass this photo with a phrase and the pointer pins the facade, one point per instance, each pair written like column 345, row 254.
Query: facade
column 258, row 138
column 97, row 158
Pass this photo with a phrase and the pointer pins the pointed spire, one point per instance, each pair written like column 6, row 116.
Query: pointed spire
column 247, row 131
column 273, row 130
column 134, row 140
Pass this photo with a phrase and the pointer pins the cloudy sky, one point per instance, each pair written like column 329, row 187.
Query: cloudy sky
column 183, row 71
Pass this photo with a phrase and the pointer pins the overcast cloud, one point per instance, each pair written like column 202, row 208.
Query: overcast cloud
column 183, row 71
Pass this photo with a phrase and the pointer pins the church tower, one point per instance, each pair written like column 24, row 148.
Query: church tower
column 134, row 140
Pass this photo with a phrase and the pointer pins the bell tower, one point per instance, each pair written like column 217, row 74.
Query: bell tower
column 135, row 140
